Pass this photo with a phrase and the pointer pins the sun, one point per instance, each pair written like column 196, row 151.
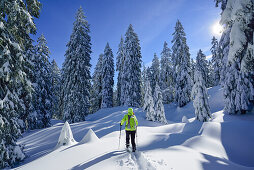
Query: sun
column 217, row 29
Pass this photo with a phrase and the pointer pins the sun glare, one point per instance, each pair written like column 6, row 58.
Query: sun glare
column 217, row 29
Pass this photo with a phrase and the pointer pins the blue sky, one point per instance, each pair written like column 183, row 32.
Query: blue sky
column 153, row 21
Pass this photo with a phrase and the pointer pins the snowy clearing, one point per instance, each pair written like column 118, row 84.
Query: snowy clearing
column 223, row 143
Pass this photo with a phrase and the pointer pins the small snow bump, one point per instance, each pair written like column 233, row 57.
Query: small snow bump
column 89, row 137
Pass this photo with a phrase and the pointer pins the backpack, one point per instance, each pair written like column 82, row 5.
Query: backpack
column 131, row 121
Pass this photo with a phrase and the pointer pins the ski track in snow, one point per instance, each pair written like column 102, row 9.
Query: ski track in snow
column 138, row 160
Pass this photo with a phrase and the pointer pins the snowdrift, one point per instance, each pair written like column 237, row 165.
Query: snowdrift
column 66, row 136
column 89, row 137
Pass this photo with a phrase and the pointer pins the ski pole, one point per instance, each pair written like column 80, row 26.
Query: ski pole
column 136, row 136
column 120, row 136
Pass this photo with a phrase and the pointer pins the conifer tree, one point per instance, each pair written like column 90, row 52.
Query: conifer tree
column 155, row 72
column 119, row 68
column 200, row 97
column 96, row 95
column 181, row 66
column 166, row 74
column 192, row 66
column 16, row 25
column 26, row 88
column 149, row 102
column 210, row 79
column 158, row 105
column 202, row 65
column 76, row 71
column 43, row 95
column 131, row 78
column 107, row 78
column 143, row 83
column 215, row 61
column 10, row 74
column 56, row 87
column 223, row 53
column 237, row 16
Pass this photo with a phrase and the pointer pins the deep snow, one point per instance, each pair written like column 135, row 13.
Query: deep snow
column 224, row 143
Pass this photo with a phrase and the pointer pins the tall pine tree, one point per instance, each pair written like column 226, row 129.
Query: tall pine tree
column 16, row 25
column 43, row 95
column 56, row 88
column 18, row 16
column 238, row 35
column 119, row 68
column 96, row 95
column 192, row 67
column 202, row 65
column 131, row 78
column 76, row 71
column 10, row 74
column 181, row 66
column 216, row 61
column 155, row 72
column 107, row 78
column 166, row 74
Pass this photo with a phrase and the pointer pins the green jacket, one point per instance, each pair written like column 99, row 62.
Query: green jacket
column 131, row 121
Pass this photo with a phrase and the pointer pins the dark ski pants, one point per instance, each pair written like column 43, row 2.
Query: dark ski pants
column 132, row 134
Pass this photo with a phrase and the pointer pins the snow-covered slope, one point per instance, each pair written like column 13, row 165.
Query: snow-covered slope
column 224, row 143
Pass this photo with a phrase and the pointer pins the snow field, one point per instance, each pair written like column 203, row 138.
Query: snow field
column 223, row 143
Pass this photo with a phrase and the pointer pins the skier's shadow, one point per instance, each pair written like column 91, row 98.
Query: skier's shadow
column 96, row 160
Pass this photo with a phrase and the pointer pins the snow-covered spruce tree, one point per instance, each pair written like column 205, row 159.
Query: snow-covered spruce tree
column 119, row 68
column 237, row 16
column 237, row 90
column 107, row 78
column 56, row 87
column 143, row 83
column 149, row 74
column 223, row 53
column 200, row 97
column 61, row 96
column 155, row 72
column 76, row 71
column 17, row 16
column 43, row 95
column 249, row 58
column 158, row 105
column 11, row 57
column 216, row 61
column 192, row 67
column 26, row 89
column 97, row 85
column 181, row 66
column 131, row 78
column 166, row 74
column 16, row 25
column 210, row 79
column 202, row 65
column 149, row 102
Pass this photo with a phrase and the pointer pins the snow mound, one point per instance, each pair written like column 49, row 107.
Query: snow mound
column 89, row 137
column 66, row 137
column 185, row 120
